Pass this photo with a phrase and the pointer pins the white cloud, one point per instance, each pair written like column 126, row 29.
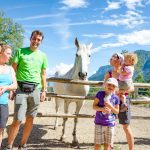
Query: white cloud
column 37, row 17
column 75, row 3
column 128, row 20
column 113, row 5
column 61, row 68
column 111, row 45
column 24, row 6
column 95, row 50
column 132, row 4
column 131, row 19
column 138, row 37
column 103, row 36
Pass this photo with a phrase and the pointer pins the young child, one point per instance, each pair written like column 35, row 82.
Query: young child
column 105, row 115
column 125, row 78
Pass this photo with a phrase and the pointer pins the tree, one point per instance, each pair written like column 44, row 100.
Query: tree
column 11, row 33
column 139, row 77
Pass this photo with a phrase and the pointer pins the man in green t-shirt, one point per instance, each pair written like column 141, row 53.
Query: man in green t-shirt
column 30, row 65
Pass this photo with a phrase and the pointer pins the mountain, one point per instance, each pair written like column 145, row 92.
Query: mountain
column 99, row 75
column 142, row 71
column 146, row 71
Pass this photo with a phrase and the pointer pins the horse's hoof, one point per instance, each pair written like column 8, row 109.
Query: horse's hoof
column 75, row 144
column 55, row 127
column 62, row 139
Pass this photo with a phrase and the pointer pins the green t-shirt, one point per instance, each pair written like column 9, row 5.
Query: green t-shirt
column 30, row 65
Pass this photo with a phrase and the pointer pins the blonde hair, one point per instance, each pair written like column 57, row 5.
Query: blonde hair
column 132, row 57
column 3, row 47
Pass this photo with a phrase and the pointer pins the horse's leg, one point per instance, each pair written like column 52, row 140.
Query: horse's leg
column 57, row 104
column 66, row 105
column 78, row 108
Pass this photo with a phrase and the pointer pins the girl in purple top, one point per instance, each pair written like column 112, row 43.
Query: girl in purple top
column 105, row 115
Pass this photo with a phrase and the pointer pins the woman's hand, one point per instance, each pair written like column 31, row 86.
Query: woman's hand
column 12, row 95
column 2, row 89
column 43, row 96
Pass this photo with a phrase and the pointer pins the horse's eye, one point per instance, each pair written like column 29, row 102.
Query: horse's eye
column 77, row 55
column 89, row 55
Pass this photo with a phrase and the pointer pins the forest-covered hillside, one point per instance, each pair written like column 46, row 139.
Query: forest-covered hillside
column 142, row 69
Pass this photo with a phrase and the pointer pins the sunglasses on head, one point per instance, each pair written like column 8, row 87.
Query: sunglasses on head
column 115, row 55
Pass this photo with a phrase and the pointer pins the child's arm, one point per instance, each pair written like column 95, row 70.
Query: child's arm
column 102, row 109
column 126, row 70
column 114, row 109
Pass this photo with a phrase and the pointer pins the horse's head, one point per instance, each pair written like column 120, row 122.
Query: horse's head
column 82, row 60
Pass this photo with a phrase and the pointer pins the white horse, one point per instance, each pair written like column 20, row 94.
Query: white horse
column 77, row 72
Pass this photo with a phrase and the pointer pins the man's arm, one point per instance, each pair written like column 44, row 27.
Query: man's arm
column 14, row 65
column 44, row 85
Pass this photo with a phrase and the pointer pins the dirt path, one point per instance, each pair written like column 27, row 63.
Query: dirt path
column 44, row 137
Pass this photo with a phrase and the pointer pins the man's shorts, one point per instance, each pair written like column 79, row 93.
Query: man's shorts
column 3, row 115
column 26, row 104
column 125, row 117
column 103, row 134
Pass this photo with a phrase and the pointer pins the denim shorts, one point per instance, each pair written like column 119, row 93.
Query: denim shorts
column 125, row 85
column 125, row 117
column 26, row 104
column 3, row 115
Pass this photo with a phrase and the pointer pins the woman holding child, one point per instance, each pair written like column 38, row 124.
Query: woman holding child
column 123, row 70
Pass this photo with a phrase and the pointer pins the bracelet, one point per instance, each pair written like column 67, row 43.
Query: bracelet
column 44, row 91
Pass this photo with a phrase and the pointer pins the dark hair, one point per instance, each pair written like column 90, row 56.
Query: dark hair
column 37, row 32
column 116, row 55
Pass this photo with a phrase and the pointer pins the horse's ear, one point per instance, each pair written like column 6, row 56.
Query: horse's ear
column 90, row 45
column 76, row 42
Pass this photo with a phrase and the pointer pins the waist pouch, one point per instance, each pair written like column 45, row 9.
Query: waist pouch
column 26, row 86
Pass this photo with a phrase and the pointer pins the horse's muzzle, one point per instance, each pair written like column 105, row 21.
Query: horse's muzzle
column 82, row 76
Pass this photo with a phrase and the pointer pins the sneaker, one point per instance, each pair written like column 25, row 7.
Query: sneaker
column 23, row 147
column 7, row 148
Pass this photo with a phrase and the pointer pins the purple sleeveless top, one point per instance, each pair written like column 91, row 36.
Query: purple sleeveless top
column 105, row 119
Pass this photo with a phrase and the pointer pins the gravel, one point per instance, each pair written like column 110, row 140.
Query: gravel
column 44, row 137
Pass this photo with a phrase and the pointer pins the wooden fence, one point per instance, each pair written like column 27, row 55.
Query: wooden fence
column 91, row 83
column 50, row 95
column 135, row 100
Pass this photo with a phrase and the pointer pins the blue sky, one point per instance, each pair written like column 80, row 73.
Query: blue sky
column 111, row 25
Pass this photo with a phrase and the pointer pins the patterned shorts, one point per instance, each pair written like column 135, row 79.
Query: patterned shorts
column 103, row 134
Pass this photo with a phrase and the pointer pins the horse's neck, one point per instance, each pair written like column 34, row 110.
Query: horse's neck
column 71, row 74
